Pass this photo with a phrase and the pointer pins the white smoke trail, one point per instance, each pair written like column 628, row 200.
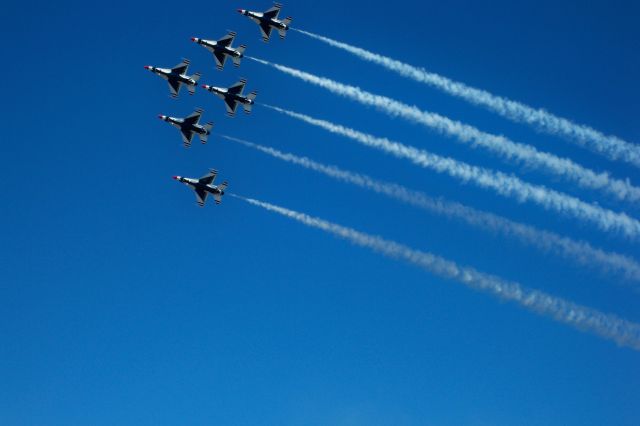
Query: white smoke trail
column 609, row 146
column 608, row 326
column 577, row 251
column 504, row 147
column 505, row 185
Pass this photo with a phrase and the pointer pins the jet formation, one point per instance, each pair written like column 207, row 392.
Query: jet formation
column 233, row 96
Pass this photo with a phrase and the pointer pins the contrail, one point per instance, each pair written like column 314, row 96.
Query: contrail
column 579, row 252
column 507, row 149
column 608, row 326
column 611, row 147
column 505, row 185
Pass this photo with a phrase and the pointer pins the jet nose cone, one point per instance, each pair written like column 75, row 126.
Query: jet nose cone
column 147, row 67
column 204, row 86
column 240, row 11
column 161, row 117
column 175, row 177
column 194, row 39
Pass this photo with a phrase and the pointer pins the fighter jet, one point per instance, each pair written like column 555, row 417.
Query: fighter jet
column 189, row 126
column 233, row 96
column 204, row 186
column 222, row 48
column 268, row 20
column 176, row 77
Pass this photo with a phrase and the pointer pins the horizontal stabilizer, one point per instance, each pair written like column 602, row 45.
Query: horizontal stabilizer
column 205, row 137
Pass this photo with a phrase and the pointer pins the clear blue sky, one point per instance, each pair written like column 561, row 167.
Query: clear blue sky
column 122, row 302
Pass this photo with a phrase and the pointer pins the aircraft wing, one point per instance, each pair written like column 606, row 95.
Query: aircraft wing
column 182, row 67
column 227, row 40
column 201, row 196
column 273, row 12
column 187, row 135
column 231, row 106
column 266, row 31
column 174, row 87
column 194, row 117
column 237, row 88
column 220, row 59
column 209, row 178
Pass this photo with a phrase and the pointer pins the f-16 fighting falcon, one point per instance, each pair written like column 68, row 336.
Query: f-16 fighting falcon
column 222, row 48
column 204, row 186
column 189, row 126
column 233, row 96
column 268, row 20
column 176, row 77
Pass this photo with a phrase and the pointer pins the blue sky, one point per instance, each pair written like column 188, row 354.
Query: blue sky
column 122, row 302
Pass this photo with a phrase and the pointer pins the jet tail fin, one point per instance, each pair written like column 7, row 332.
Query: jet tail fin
column 236, row 60
column 247, row 107
column 285, row 21
column 192, row 89
column 218, row 197
column 207, row 127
